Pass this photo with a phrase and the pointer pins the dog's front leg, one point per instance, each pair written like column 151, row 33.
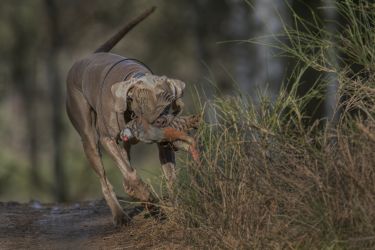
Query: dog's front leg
column 168, row 163
column 133, row 185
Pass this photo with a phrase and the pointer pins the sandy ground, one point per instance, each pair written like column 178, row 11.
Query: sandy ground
column 86, row 225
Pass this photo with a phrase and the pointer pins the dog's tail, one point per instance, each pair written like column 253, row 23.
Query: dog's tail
column 108, row 45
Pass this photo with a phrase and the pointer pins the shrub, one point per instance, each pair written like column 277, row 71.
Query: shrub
column 270, row 180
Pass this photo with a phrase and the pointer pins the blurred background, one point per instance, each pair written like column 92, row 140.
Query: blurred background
column 202, row 42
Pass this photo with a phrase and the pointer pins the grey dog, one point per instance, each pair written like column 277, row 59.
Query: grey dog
column 104, row 92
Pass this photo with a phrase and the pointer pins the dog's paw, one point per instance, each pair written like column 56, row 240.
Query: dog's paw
column 121, row 220
column 129, row 190
column 137, row 190
column 155, row 212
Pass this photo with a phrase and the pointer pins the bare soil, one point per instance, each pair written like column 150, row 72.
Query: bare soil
column 86, row 225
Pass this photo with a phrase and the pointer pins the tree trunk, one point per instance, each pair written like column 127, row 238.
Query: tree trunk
column 23, row 68
column 56, row 97
column 330, row 101
column 268, row 69
column 309, row 11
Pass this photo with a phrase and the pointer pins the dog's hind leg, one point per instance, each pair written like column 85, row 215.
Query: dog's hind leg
column 80, row 114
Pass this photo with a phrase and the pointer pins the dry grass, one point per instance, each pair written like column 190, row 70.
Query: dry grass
column 269, row 178
column 261, row 188
column 151, row 234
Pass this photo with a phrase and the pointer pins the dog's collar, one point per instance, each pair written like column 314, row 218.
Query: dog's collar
column 138, row 75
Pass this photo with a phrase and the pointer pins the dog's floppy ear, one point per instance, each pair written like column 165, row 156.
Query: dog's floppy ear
column 120, row 93
column 175, row 89
column 179, row 87
column 177, row 107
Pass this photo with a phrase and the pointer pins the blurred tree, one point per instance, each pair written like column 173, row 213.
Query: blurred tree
column 269, row 16
column 312, row 12
column 23, row 76
column 251, row 67
column 208, row 19
column 331, row 25
column 54, row 79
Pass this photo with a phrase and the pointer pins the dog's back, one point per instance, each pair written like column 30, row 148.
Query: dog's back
column 95, row 74
column 89, row 74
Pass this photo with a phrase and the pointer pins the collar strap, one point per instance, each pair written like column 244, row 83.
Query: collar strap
column 138, row 75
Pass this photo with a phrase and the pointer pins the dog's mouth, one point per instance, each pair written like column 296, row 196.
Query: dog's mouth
column 172, row 132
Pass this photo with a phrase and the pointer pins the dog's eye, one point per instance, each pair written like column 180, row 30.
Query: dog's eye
column 160, row 122
column 166, row 110
column 157, row 122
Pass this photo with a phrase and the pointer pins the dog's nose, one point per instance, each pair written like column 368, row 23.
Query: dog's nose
column 123, row 136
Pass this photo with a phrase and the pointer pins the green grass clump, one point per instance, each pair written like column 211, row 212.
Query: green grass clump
column 272, row 178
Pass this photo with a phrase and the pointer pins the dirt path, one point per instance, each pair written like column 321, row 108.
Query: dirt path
column 86, row 225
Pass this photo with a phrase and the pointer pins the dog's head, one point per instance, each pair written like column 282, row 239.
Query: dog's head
column 149, row 96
